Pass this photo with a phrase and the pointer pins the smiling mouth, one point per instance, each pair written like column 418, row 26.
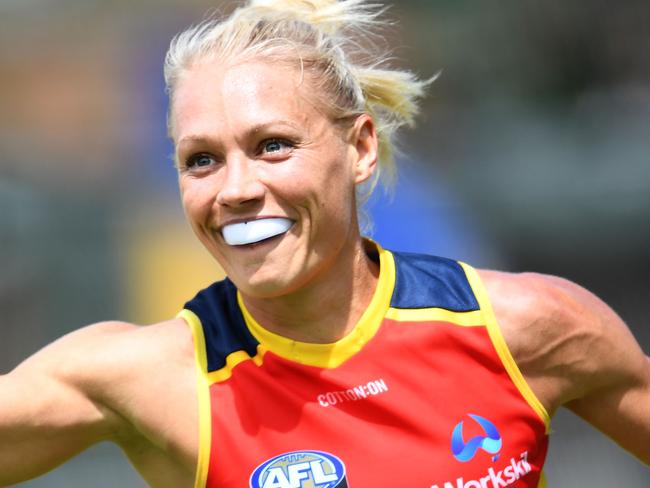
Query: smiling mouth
column 244, row 233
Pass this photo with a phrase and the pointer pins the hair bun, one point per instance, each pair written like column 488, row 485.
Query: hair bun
column 329, row 16
column 289, row 4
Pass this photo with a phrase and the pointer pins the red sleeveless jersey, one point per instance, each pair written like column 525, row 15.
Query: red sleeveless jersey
column 423, row 393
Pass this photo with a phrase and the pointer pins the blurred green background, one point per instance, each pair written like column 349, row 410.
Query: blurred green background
column 532, row 153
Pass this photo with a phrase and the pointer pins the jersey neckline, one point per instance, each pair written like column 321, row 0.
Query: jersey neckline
column 333, row 354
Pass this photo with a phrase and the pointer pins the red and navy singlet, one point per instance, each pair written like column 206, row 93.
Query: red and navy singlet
column 423, row 393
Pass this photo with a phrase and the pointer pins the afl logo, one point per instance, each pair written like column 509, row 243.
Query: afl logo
column 490, row 442
column 300, row 469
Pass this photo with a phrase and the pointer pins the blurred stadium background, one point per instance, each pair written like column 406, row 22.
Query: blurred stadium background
column 532, row 153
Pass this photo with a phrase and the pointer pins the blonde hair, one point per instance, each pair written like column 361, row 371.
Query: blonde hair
column 331, row 40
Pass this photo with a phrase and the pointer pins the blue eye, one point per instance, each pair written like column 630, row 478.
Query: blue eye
column 275, row 146
column 199, row 161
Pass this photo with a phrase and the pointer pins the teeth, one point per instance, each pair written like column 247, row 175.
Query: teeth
column 255, row 230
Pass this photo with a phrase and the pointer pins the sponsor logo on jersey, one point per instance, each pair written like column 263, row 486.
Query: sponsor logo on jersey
column 300, row 469
column 490, row 442
column 360, row 392
column 499, row 476
column 515, row 470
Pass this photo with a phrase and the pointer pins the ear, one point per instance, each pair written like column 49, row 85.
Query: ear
column 364, row 139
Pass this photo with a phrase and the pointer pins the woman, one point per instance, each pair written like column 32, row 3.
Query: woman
column 323, row 360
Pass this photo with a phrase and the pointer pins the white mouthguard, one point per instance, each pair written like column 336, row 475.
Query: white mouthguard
column 255, row 230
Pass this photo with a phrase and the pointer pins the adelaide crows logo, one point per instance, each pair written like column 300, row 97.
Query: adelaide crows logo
column 490, row 442
column 300, row 469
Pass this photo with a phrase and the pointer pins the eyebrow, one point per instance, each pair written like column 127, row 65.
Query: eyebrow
column 272, row 123
column 193, row 139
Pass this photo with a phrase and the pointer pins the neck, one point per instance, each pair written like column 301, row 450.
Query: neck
column 327, row 308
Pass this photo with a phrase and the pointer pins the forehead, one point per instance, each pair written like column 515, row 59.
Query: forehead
column 212, row 96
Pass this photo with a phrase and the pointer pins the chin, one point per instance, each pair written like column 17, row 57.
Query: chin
column 263, row 288
column 273, row 282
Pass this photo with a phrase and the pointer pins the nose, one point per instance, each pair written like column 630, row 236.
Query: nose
column 240, row 184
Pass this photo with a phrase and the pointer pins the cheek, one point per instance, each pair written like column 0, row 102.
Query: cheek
column 338, row 186
column 195, row 200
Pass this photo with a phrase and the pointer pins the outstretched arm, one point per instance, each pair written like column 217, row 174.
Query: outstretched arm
column 576, row 352
column 612, row 391
column 50, row 405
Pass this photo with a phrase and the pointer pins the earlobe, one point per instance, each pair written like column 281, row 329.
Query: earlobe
column 366, row 144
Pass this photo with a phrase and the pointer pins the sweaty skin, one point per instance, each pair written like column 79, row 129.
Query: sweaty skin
column 282, row 157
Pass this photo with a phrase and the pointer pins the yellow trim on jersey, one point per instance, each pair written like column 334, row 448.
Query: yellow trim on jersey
column 203, row 390
column 542, row 480
column 464, row 319
column 502, row 348
column 233, row 360
column 334, row 354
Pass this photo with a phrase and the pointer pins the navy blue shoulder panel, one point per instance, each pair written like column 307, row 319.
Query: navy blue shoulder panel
column 423, row 281
column 223, row 324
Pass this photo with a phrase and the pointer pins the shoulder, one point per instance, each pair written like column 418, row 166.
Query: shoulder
column 108, row 361
column 567, row 342
column 106, row 347
column 425, row 281
column 134, row 385
column 119, row 355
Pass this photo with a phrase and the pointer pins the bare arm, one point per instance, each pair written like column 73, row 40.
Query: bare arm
column 576, row 352
column 50, row 406
column 613, row 392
